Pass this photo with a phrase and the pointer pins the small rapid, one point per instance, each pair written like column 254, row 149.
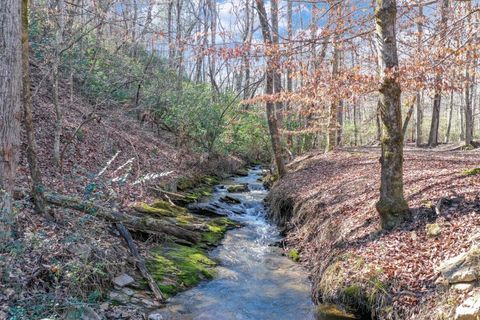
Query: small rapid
column 254, row 281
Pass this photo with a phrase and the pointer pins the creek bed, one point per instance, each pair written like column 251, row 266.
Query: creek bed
column 253, row 280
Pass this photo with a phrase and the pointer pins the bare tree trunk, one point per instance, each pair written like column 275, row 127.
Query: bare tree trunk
column 462, row 116
column 179, row 44
column 450, row 114
column 355, row 121
column 340, row 116
column 378, row 122
column 419, row 115
column 277, row 75
column 10, row 90
column 213, row 36
column 333, row 121
column 36, row 176
column 171, row 47
column 55, row 73
column 270, row 107
column 392, row 206
column 468, row 111
column 437, row 99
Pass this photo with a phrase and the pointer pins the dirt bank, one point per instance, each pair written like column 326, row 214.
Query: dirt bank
column 326, row 203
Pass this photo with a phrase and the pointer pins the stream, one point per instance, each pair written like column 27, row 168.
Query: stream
column 254, row 281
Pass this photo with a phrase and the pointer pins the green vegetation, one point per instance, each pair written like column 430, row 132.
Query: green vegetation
column 367, row 290
column 294, row 255
column 471, row 172
column 145, row 208
column 177, row 267
column 217, row 228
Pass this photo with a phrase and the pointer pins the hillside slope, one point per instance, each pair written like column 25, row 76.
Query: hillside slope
column 68, row 261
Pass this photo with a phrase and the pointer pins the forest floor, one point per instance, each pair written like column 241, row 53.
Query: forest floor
column 335, row 228
column 69, row 261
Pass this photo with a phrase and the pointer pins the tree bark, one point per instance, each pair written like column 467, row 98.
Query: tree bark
column 419, row 113
column 408, row 117
column 392, row 206
column 468, row 111
column 270, row 107
column 35, row 174
column 450, row 114
column 331, row 140
column 55, row 73
column 437, row 99
column 10, row 90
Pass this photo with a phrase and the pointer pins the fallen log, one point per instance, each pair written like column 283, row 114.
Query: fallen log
column 143, row 224
column 140, row 262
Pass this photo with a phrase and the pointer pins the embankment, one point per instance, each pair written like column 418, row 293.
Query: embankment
column 326, row 205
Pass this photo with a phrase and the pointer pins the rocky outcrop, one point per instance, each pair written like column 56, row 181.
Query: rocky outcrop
column 469, row 309
column 463, row 268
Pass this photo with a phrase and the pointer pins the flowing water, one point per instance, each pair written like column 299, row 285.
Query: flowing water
column 254, row 281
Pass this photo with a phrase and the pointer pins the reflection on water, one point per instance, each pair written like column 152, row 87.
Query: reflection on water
column 254, row 280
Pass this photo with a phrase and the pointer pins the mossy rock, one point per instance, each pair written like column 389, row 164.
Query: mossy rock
column 243, row 172
column 269, row 180
column 216, row 230
column 433, row 230
column 145, row 208
column 238, row 188
column 177, row 267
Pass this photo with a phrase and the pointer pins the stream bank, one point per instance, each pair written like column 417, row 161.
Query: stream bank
column 325, row 205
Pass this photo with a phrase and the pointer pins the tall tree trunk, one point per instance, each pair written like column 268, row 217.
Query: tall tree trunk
column 340, row 116
column 270, row 107
column 35, row 174
column 55, row 73
column 462, row 116
column 277, row 75
column 419, row 114
column 468, row 111
column 437, row 98
column 289, row 69
column 355, row 121
column 10, row 90
column 392, row 206
column 171, row 47
column 213, row 35
column 331, row 140
column 450, row 114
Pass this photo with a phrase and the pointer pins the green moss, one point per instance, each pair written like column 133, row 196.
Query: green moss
column 294, row 255
column 145, row 208
column 168, row 290
column 471, row 172
column 183, row 265
column 353, row 282
column 160, row 204
column 334, row 312
column 216, row 230
column 185, row 183
column 353, row 291
column 237, row 188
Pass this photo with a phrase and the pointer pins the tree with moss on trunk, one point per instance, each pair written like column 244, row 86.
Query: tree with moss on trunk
column 392, row 206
